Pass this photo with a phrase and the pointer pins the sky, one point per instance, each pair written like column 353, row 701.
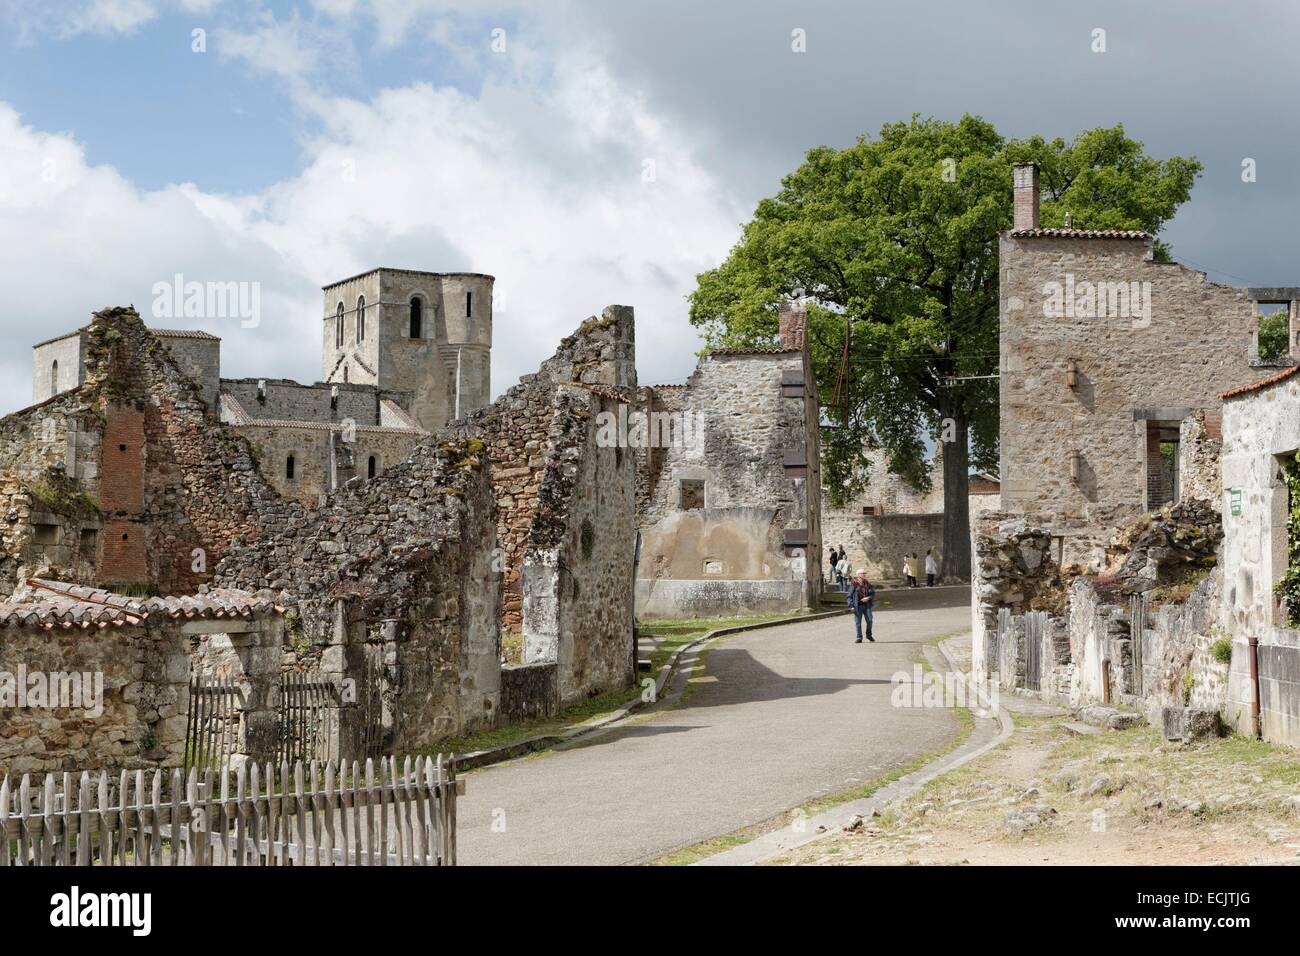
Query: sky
column 584, row 153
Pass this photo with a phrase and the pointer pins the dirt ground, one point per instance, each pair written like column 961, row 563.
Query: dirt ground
column 1047, row 796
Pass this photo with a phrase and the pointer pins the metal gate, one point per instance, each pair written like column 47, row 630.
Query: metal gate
column 309, row 718
column 212, row 727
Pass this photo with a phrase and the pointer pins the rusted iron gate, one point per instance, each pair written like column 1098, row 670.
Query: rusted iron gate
column 307, row 727
column 309, row 718
column 212, row 726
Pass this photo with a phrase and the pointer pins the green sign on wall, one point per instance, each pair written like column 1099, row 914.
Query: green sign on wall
column 1234, row 496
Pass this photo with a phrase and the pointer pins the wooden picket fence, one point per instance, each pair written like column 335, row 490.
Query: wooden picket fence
column 345, row 817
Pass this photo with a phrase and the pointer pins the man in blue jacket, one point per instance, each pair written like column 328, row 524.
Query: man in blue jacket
column 862, row 596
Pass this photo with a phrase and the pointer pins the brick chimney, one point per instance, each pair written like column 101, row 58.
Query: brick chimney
column 793, row 325
column 1025, row 185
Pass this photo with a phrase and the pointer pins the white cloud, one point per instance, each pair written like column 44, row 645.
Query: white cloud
column 538, row 179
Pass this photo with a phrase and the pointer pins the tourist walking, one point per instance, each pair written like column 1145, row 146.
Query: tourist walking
column 931, row 568
column 842, row 569
column 862, row 597
column 910, row 569
column 832, row 559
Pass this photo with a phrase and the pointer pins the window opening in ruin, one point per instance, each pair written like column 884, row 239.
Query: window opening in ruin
column 417, row 318
column 289, row 467
column 45, row 534
column 1162, row 463
column 345, row 375
column 361, row 318
column 1284, row 540
column 338, row 328
column 54, row 378
column 469, row 305
column 692, row 494
column 1274, row 330
column 89, row 539
column 371, row 467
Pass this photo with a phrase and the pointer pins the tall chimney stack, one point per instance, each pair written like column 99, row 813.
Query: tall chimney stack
column 793, row 325
column 1025, row 183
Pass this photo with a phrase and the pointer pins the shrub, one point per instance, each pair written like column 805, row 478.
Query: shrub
column 1221, row 650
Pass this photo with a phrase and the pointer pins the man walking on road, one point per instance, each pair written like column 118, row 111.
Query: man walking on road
column 862, row 595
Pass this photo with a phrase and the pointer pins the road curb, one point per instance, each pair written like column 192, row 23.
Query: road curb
column 816, row 828
column 520, row 748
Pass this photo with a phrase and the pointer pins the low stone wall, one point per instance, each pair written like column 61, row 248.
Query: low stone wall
column 673, row 598
column 528, row 691
column 143, row 674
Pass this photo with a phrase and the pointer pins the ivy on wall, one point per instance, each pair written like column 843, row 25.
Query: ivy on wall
column 1288, row 588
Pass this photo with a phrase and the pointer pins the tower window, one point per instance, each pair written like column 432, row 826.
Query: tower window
column 345, row 375
column 371, row 467
column 54, row 378
column 289, row 468
column 469, row 305
column 361, row 318
column 417, row 318
column 338, row 329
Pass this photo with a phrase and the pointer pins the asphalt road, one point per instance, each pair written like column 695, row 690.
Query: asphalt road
column 780, row 716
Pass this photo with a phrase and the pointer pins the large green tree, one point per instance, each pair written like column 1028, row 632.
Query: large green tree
column 893, row 244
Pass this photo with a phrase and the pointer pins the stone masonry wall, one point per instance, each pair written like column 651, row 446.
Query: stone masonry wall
column 145, row 671
column 394, row 575
column 1196, row 341
column 517, row 425
column 750, row 439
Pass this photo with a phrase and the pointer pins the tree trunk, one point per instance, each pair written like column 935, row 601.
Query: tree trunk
column 956, row 503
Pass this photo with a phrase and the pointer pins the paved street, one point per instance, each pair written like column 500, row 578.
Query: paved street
column 783, row 715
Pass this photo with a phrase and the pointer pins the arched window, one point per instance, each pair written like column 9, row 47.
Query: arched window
column 417, row 318
column 54, row 378
column 289, row 468
column 371, row 467
column 338, row 329
column 361, row 318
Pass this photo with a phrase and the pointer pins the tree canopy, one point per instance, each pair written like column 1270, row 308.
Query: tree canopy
column 893, row 244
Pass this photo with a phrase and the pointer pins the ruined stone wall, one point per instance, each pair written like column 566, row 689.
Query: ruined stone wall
column 394, row 578
column 1200, row 444
column 145, row 699
column 751, row 444
column 1163, row 365
column 1261, row 428
column 578, row 573
column 49, row 483
column 517, row 426
column 178, row 486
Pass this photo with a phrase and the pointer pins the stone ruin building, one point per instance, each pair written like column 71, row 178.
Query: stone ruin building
column 403, row 353
column 398, row 579
column 729, row 487
column 1142, row 524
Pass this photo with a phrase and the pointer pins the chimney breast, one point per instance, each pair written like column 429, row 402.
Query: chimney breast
column 793, row 325
column 1025, row 186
